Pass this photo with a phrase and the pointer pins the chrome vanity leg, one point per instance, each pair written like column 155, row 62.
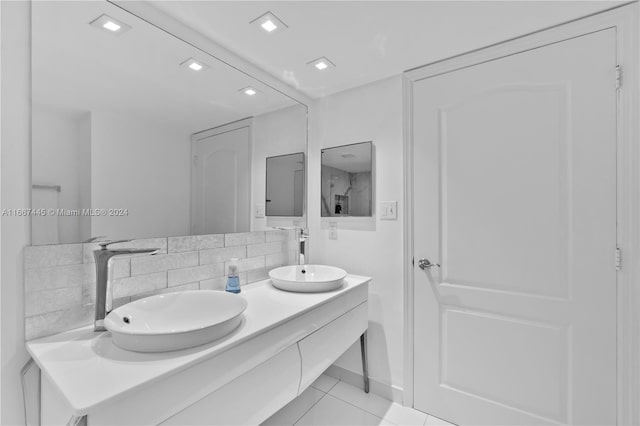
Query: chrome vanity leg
column 363, row 351
column 23, row 376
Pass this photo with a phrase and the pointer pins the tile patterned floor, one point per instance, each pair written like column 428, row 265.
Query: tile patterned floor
column 329, row 402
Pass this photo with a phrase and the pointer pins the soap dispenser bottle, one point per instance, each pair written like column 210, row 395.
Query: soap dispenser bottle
column 233, row 282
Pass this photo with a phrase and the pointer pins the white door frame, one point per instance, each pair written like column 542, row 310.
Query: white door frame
column 625, row 20
column 204, row 134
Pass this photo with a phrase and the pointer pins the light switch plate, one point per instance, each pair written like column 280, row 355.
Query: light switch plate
column 259, row 211
column 389, row 210
column 333, row 230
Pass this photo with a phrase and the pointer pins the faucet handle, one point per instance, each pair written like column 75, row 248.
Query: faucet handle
column 105, row 244
column 94, row 239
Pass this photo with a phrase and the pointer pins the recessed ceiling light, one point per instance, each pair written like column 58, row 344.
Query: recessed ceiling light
column 113, row 26
column 269, row 22
column 193, row 64
column 322, row 63
column 269, row 26
column 249, row 91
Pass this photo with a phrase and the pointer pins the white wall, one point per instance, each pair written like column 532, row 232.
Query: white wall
column 144, row 167
column 276, row 133
column 15, row 178
column 367, row 247
column 57, row 146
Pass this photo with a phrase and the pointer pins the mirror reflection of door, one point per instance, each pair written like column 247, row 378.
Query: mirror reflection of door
column 285, row 185
column 221, row 176
column 347, row 188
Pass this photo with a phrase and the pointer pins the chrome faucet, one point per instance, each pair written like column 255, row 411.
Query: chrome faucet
column 304, row 237
column 104, row 295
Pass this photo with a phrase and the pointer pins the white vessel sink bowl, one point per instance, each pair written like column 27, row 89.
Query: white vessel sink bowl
column 307, row 278
column 173, row 321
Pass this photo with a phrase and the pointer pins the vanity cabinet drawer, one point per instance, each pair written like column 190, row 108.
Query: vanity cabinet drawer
column 322, row 348
column 249, row 399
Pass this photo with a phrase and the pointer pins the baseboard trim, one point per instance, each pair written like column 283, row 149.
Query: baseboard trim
column 385, row 390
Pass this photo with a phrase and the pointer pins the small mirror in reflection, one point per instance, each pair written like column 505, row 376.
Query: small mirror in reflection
column 347, row 188
column 285, row 185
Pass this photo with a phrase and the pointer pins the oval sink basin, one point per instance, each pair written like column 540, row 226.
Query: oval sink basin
column 172, row 321
column 307, row 278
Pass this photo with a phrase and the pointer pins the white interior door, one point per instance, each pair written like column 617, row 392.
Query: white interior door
column 515, row 196
column 221, row 179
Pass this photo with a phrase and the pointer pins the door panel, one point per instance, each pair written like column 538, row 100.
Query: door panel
column 219, row 186
column 221, row 177
column 490, row 177
column 515, row 196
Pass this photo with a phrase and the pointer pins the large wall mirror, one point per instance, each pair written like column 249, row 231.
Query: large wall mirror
column 347, row 184
column 138, row 134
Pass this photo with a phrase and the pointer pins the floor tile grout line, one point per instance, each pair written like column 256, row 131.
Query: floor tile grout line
column 359, row 408
column 332, row 386
column 351, row 403
column 439, row 419
column 312, row 405
column 366, row 410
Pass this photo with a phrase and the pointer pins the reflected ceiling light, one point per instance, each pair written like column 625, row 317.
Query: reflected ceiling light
column 113, row 26
column 249, row 91
column 321, row 63
column 269, row 22
column 193, row 64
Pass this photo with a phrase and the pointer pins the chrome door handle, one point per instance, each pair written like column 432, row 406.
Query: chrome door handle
column 426, row 263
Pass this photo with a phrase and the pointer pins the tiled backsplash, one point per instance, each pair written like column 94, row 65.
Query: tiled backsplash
column 60, row 279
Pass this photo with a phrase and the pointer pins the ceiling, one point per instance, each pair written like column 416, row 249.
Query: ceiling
column 78, row 68
column 367, row 40
column 354, row 158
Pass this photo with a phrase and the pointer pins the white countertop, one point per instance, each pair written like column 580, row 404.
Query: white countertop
column 88, row 369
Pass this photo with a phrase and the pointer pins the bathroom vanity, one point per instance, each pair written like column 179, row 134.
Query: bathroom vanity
column 285, row 341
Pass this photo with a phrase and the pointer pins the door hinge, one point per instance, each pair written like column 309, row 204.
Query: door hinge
column 618, row 76
column 618, row 259
column 413, row 261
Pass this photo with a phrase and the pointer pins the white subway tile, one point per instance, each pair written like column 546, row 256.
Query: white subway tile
column 58, row 277
column 244, row 238
column 58, row 321
column 275, row 260
column 52, row 255
column 140, row 284
column 180, row 244
column 198, row 273
column 219, row 255
column 120, row 267
column 141, row 265
column 41, row 302
column 262, row 249
column 247, row 264
column 258, row 275
column 210, row 241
